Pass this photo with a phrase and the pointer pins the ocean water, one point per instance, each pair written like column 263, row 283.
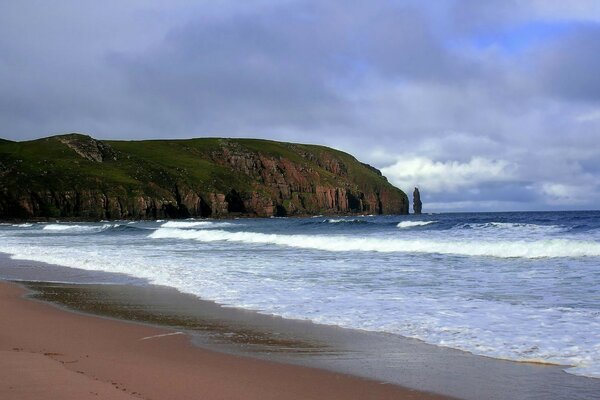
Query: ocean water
column 518, row 286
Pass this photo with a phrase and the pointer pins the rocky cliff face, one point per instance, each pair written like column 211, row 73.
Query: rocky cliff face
column 75, row 176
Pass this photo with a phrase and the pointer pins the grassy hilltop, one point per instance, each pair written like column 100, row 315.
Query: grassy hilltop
column 76, row 176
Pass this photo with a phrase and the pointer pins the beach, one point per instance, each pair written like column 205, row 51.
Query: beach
column 495, row 312
column 51, row 353
column 232, row 334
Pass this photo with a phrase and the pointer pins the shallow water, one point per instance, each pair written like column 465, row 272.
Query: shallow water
column 519, row 286
column 384, row 357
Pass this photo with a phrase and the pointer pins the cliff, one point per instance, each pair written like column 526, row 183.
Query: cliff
column 76, row 176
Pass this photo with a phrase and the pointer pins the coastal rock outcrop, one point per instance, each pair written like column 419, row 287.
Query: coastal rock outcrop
column 417, row 204
column 76, row 176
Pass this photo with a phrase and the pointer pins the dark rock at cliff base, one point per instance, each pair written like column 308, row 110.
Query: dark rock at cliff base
column 417, row 204
column 78, row 177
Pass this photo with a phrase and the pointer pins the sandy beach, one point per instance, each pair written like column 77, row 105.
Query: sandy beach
column 47, row 352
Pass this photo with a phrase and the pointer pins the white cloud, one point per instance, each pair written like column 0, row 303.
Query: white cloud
column 564, row 194
column 592, row 116
column 447, row 176
column 582, row 10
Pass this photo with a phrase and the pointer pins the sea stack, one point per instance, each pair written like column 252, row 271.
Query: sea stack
column 417, row 204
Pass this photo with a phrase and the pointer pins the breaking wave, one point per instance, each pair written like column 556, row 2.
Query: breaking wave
column 64, row 228
column 195, row 224
column 346, row 221
column 410, row 224
column 548, row 248
column 506, row 226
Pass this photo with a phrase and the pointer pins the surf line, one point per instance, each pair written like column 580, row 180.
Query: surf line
column 163, row 335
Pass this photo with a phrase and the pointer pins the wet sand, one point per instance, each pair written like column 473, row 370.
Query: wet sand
column 372, row 355
column 378, row 357
column 46, row 352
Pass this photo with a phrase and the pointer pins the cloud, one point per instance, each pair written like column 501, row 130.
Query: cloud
column 568, row 66
column 469, row 16
column 590, row 116
column 562, row 194
column 485, row 103
column 578, row 10
column 450, row 176
column 236, row 73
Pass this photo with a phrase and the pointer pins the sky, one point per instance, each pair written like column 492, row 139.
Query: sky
column 484, row 105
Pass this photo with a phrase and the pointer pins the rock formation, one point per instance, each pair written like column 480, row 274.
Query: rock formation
column 78, row 177
column 417, row 204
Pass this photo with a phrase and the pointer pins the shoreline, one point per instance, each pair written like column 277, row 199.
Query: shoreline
column 44, row 347
column 230, row 217
column 377, row 357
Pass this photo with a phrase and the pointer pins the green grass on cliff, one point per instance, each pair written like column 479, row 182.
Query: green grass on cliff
column 50, row 163
column 183, row 161
column 154, row 166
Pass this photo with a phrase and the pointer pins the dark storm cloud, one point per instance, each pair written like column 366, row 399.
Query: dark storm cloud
column 482, row 104
column 247, row 71
column 287, row 66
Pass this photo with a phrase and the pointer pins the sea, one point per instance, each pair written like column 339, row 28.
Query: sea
column 522, row 286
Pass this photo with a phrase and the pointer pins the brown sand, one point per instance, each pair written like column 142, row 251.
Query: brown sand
column 46, row 352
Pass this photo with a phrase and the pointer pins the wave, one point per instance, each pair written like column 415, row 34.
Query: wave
column 411, row 224
column 550, row 248
column 64, row 228
column 57, row 227
column 195, row 224
column 69, row 229
column 345, row 221
column 505, row 226
column 336, row 221
column 123, row 228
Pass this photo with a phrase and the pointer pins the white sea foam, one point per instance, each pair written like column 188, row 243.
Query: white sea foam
column 503, row 330
column 22, row 225
column 195, row 224
column 64, row 228
column 410, row 224
column 525, row 308
column 344, row 221
column 511, row 226
column 550, row 248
